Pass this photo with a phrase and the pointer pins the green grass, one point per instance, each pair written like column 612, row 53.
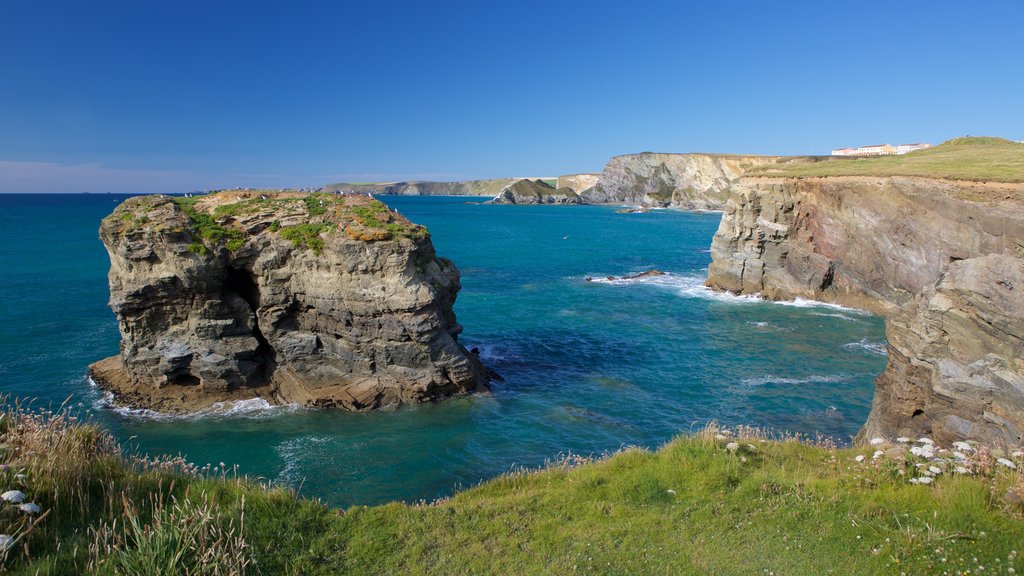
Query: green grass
column 306, row 235
column 208, row 229
column 982, row 159
column 693, row 507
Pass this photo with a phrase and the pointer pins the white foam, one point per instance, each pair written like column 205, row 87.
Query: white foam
column 689, row 286
column 868, row 346
column 248, row 408
column 769, row 379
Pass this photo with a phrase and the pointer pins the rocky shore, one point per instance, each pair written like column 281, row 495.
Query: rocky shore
column 316, row 299
column 941, row 259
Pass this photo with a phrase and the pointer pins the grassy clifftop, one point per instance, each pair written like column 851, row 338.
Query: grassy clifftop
column 982, row 159
column 719, row 502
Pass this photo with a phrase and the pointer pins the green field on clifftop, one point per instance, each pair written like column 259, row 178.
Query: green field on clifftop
column 720, row 502
column 983, row 159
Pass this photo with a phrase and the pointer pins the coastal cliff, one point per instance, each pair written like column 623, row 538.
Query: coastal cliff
column 941, row 259
column 535, row 192
column 315, row 299
column 425, row 188
column 690, row 181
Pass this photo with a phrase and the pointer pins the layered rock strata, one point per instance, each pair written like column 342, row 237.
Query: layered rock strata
column 690, row 181
column 942, row 260
column 315, row 299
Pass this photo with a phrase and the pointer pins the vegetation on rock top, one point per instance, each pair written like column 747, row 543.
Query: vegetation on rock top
column 719, row 502
column 983, row 159
column 360, row 217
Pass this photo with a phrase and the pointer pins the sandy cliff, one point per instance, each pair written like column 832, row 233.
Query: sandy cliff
column 941, row 259
column 316, row 299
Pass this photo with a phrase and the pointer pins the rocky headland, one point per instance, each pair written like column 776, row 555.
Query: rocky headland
column 425, row 188
column 316, row 299
column 535, row 192
column 687, row 181
column 942, row 259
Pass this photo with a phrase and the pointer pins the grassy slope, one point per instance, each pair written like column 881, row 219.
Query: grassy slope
column 979, row 159
column 785, row 507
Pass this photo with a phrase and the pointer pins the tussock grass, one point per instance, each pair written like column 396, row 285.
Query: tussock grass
column 983, row 159
column 737, row 501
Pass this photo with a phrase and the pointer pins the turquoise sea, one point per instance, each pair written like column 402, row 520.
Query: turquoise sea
column 589, row 367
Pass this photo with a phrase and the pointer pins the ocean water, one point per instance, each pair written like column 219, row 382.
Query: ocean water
column 589, row 367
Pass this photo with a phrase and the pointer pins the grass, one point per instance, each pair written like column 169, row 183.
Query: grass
column 703, row 504
column 983, row 159
column 306, row 235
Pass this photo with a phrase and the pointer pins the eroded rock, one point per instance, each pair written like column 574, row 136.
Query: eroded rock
column 315, row 299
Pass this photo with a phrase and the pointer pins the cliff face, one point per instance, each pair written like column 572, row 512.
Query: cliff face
column 690, row 181
column 535, row 192
column 462, row 188
column 578, row 183
column 315, row 299
column 941, row 259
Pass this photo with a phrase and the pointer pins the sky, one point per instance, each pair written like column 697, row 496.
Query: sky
column 181, row 96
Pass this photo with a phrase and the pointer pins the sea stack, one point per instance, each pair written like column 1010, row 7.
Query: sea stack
column 317, row 299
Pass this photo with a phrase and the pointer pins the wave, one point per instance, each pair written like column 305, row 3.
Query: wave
column 769, row 379
column 689, row 286
column 868, row 346
column 247, row 408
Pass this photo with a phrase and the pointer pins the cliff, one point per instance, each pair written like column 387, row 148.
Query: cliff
column 690, row 181
column 314, row 299
column 461, row 188
column 535, row 192
column 940, row 258
column 578, row 183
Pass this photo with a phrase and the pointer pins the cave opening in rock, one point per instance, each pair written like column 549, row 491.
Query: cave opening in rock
column 240, row 281
column 184, row 379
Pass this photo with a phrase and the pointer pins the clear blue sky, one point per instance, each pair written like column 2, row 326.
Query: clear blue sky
column 173, row 96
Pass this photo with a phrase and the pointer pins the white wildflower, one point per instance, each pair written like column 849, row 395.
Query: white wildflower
column 29, row 508
column 721, row 437
column 960, row 456
column 732, row 446
column 877, row 441
column 6, row 542
column 1007, row 463
column 963, row 446
column 903, row 439
column 859, row 458
column 935, row 470
column 752, row 447
column 671, row 491
column 925, row 480
column 960, row 470
column 924, row 440
column 13, row 496
column 1017, row 454
column 878, row 454
column 922, row 451
column 915, row 481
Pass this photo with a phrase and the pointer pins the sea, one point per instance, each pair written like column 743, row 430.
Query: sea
column 590, row 367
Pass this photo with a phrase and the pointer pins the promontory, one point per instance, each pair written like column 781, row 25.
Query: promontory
column 317, row 299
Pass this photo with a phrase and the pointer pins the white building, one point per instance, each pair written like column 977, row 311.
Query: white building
column 879, row 150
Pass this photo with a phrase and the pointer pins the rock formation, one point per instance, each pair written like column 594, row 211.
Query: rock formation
column 461, row 188
column 690, row 181
column 578, row 183
column 941, row 259
column 315, row 299
column 535, row 192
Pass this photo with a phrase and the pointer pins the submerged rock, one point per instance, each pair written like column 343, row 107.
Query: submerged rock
column 315, row 299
